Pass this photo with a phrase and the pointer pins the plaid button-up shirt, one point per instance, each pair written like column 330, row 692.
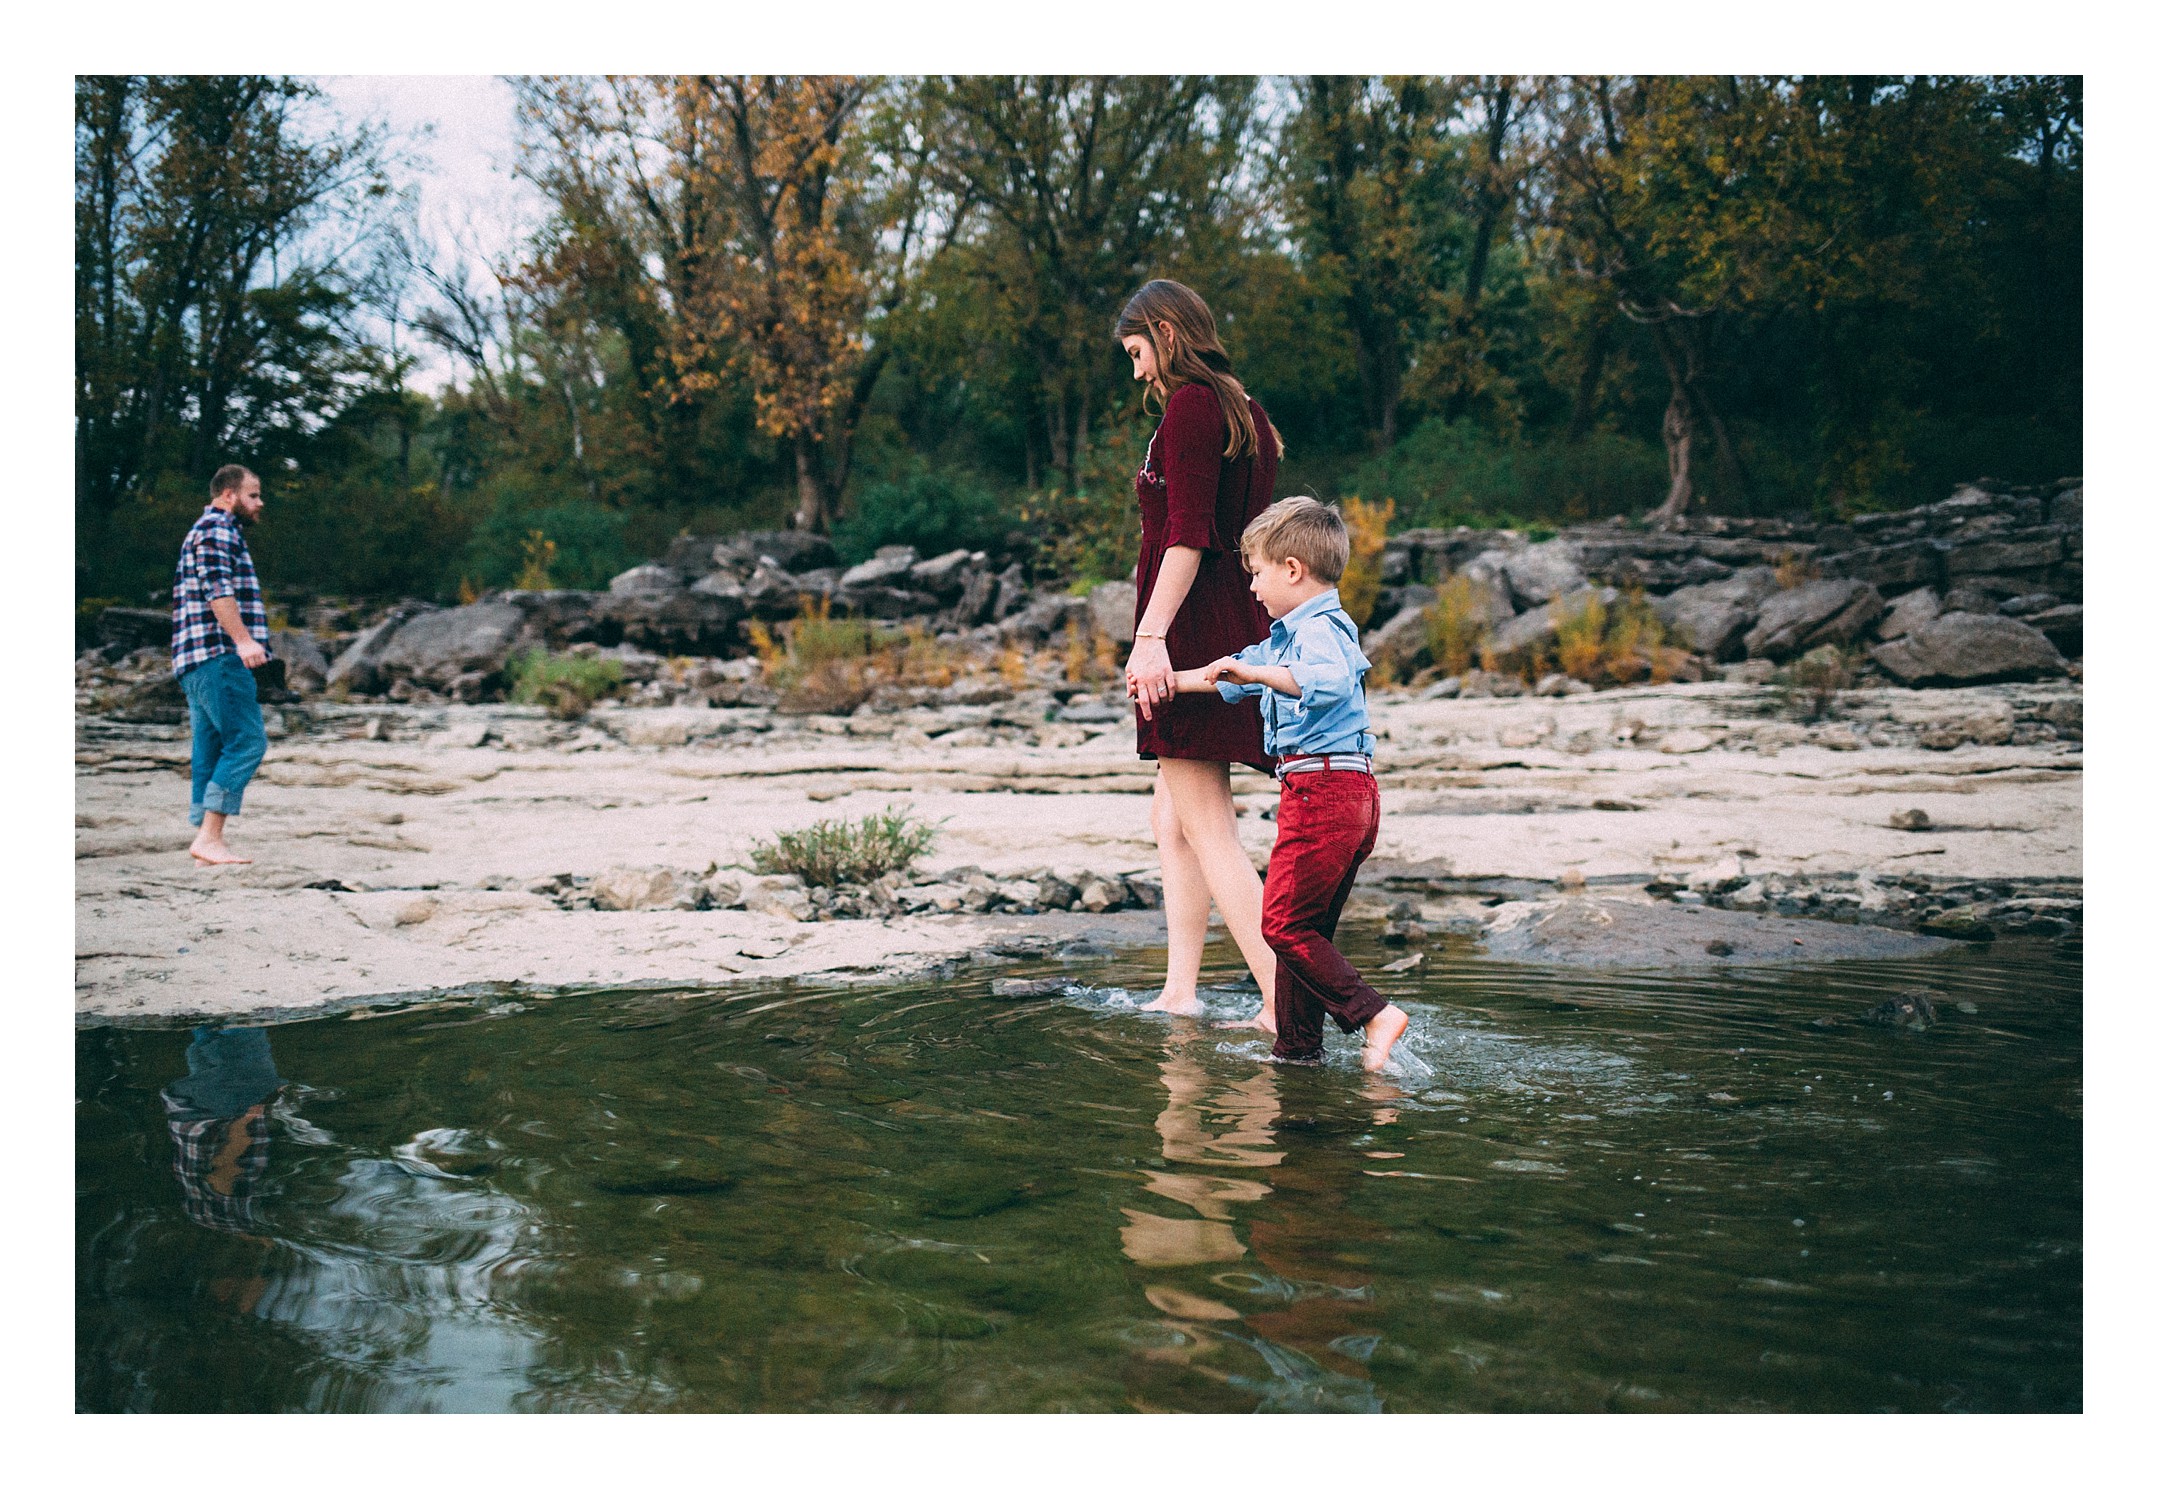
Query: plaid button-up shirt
column 213, row 564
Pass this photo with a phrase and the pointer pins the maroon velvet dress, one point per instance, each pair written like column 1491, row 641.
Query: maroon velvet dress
column 1190, row 497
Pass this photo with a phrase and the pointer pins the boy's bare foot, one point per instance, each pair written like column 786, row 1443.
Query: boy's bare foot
column 1386, row 1026
column 214, row 853
column 1189, row 1007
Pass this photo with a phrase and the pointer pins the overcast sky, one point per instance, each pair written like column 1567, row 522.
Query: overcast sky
column 464, row 131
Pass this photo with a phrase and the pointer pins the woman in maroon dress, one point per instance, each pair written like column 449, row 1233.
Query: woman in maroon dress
column 1209, row 470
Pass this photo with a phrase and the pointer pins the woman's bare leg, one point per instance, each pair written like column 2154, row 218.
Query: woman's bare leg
column 1198, row 790
column 1184, row 901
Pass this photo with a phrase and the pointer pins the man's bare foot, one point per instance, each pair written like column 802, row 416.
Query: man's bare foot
column 1189, row 1007
column 1386, row 1026
column 214, row 853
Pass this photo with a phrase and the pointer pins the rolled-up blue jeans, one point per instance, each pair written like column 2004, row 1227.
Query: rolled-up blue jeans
column 227, row 725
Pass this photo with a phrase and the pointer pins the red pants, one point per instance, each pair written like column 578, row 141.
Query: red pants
column 1328, row 822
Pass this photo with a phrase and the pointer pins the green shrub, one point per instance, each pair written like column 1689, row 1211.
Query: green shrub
column 1455, row 624
column 1806, row 688
column 837, row 851
column 933, row 510
column 583, row 546
column 567, row 686
column 1442, row 475
column 1093, row 532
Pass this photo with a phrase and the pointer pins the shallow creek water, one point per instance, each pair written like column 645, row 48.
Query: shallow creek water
column 1584, row 1191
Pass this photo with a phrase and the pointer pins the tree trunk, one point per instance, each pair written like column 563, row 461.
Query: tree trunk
column 1678, row 449
column 1081, row 423
column 1055, row 424
column 1491, row 203
column 1678, row 426
column 1587, row 386
column 814, row 515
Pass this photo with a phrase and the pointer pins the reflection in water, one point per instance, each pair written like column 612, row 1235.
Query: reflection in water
column 1213, row 1124
column 396, row 1265
column 896, row 1200
column 220, row 1129
column 218, row 1119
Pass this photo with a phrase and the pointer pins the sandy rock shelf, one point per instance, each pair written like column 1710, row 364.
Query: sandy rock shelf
column 392, row 866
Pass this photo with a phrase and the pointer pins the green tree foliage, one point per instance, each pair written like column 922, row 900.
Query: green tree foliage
column 883, row 307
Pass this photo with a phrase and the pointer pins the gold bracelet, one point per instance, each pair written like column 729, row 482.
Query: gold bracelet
column 1150, row 635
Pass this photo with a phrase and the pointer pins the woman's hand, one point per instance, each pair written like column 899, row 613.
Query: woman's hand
column 1149, row 679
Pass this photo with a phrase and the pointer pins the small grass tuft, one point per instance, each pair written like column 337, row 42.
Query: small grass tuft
column 838, row 851
column 827, row 664
column 566, row 685
column 1806, row 688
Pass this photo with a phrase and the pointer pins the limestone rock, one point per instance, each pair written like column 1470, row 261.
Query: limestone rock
column 358, row 666
column 1988, row 722
column 1017, row 988
column 1906, row 613
column 646, row 579
column 125, row 628
column 2063, row 626
column 1405, row 640
column 1532, row 632
column 306, row 668
column 1112, row 609
column 1966, row 648
column 1712, row 618
column 794, row 552
column 432, row 650
column 635, row 889
column 943, row 576
column 889, row 566
column 678, row 622
column 1541, row 572
column 1826, row 611
column 776, row 894
column 976, row 597
column 1913, row 1011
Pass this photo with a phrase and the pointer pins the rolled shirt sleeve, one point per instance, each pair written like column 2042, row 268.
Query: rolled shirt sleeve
column 1325, row 674
column 1258, row 654
column 220, row 566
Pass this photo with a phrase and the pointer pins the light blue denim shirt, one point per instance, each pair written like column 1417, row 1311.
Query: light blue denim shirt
column 1317, row 642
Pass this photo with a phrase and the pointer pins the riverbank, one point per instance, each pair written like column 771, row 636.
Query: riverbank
column 406, row 852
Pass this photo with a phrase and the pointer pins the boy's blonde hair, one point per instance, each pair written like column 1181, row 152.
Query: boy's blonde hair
column 1299, row 527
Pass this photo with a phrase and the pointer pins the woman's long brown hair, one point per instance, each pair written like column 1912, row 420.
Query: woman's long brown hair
column 1195, row 356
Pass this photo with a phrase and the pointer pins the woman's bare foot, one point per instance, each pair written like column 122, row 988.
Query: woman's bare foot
column 214, row 853
column 1261, row 1023
column 1189, row 1006
column 1386, row 1026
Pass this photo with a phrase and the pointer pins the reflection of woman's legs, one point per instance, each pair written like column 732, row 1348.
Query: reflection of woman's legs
column 1184, row 904
column 1205, row 815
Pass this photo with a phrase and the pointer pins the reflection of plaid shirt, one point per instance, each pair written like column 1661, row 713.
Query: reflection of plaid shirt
column 213, row 564
column 196, row 1143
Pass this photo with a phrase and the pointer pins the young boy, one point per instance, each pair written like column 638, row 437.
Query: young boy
column 1308, row 675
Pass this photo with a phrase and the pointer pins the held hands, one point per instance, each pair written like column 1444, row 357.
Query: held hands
column 1148, row 678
